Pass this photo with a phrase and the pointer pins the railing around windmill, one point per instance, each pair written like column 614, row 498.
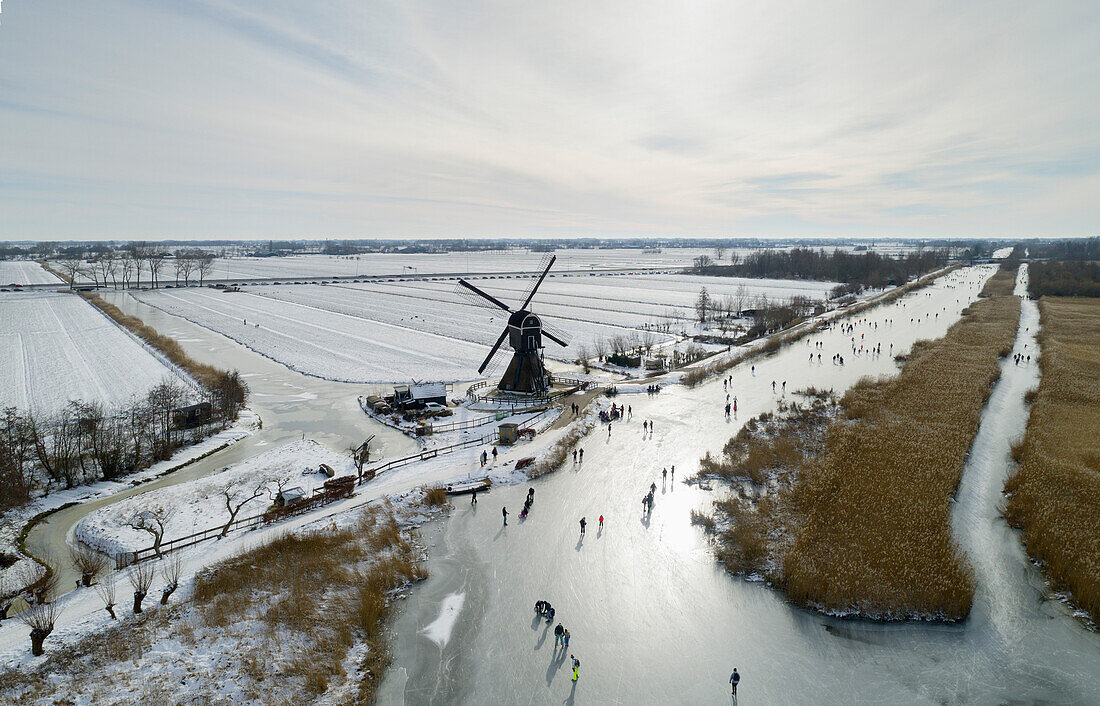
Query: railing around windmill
column 371, row 473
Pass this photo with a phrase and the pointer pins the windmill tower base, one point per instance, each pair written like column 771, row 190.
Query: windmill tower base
column 526, row 374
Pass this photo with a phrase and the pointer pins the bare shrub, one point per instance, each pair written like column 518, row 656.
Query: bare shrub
column 435, row 497
column 170, row 569
column 141, row 578
column 106, row 589
column 90, row 564
column 40, row 618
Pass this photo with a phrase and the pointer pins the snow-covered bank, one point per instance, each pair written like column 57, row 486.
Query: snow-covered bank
column 202, row 503
column 13, row 521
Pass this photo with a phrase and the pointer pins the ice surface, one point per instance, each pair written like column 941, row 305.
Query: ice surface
column 654, row 619
column 439, row 631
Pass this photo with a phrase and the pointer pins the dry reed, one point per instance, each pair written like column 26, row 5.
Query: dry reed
column 876, row 538
column 1055, row 494
column 857, row 517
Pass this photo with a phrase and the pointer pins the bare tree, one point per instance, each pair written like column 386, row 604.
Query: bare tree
column 152, row 519
column 649, row 339
column 599, row 348
column 237, row 495
column 90, row 564
column 71, row 267
column 740, row 299
column 155, row 260
column 106, row 590
column 141, row 578
column 105, row 263
column 205, row 266
column 719, row 252
column 582, row 358
column 127, row 264
column 170, row 569
column 40, row 618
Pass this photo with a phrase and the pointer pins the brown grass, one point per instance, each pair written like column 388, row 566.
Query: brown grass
column 435, row 497
column 877, row 534
column 1055, row 494
column 206, row 375
column 856, row 518
column 314, row 596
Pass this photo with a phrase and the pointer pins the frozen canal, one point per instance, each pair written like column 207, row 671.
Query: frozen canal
column 653, row 618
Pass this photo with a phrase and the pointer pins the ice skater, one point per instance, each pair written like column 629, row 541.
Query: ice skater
column 577, row 666
column 559, row 633
column 601, row 522
column 504, row 511
column 473, row 498
column 735, row 679
column 584, row 523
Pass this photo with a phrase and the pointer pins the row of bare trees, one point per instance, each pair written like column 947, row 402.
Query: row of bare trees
column 36, row 585
column 124, row 267
column 83, row 442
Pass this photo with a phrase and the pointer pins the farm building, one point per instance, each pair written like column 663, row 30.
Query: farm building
column 416, row 395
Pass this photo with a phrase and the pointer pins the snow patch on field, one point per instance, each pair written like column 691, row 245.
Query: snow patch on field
column 55, row 348
column 199, row 505
column 24, row 272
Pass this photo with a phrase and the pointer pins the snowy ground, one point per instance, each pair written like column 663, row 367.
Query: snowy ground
column 82, row 610
column 387, row 331
column 24, row 272
column 57, row 347
column 199, row 504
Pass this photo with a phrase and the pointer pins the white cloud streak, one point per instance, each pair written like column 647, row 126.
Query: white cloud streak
column 222, row 118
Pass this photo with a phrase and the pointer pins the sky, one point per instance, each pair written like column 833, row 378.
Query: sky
column 122, row 119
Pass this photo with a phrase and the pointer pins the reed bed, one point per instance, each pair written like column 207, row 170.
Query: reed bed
column 856, row 520
column 1054, row 496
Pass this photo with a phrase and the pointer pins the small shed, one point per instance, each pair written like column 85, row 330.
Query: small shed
column 416, row 395
column 509, row 433
column 289, row 496
column 191, row 415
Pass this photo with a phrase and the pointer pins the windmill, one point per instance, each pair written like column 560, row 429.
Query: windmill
column 524, row 331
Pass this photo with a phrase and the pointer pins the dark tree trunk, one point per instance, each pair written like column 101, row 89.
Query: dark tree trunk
column 138, row 598
column 165, row 593
column 111, row 611
column 37, row 638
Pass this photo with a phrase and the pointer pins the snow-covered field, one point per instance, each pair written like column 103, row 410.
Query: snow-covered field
column 387, row 331
column 57, row 347
column 199, row 504
column 24, row 272
column 425, row 264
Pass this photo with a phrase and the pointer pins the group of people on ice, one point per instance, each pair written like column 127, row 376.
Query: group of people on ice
column 561, row 634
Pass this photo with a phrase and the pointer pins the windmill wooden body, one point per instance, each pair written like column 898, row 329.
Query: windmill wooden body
column 524, row 332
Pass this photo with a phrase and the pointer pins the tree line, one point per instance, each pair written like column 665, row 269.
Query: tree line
column 123, row 267
column 83, row 443
column 855, row 271
column 1068, row 278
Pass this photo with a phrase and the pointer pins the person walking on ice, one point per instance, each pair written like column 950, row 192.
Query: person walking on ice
column 601, row 521
column 576, row 667
column 504, row 511
column 735, row 679
column 473, row 498
column 584, row 523
column 559, row 633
